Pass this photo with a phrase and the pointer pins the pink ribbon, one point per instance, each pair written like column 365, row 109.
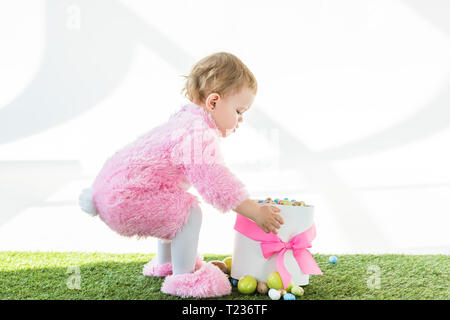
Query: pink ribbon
column 271, row 244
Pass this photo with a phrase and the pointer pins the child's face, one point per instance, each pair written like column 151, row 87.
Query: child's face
column 227, row 112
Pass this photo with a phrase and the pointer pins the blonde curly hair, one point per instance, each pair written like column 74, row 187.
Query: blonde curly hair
column 220, row 72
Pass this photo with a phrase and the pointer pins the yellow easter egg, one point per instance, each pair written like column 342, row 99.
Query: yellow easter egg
column 228, row 261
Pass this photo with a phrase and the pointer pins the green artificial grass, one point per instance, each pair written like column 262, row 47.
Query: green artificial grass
column 50, row 275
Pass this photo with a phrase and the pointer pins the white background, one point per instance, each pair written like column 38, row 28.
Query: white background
column 352, row 114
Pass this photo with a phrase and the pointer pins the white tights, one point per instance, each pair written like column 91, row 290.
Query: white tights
column 182, row 250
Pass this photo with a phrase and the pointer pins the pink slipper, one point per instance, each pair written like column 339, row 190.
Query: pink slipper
column 152, row 269
column 208, row 281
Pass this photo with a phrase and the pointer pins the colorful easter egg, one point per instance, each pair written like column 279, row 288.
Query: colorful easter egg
column 247, row 285
column 297, row 290
column 228, row 261
column 289, row 296
column 274, row 281
column 333, row 259
column 221, row 265
column 262, row 287
column 274, row 294
column 289, row 288
column 234, row 282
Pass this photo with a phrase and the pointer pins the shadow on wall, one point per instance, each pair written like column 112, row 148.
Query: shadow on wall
column 87, row 54
column 89, row 51
column 27, row 183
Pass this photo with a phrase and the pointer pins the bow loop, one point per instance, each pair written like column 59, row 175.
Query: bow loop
column 268, row 248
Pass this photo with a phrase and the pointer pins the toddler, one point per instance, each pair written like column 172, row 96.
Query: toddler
column 142, row 189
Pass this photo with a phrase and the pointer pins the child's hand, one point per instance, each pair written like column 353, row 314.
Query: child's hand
column 268, row 219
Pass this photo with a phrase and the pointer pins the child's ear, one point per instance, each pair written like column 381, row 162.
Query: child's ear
column 211, row 101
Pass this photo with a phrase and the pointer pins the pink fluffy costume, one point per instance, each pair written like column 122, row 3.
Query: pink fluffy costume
column 142, row 191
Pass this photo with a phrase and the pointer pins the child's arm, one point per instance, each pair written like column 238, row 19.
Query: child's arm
column 265, row 216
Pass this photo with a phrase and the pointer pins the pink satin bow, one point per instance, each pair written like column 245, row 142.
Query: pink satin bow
column 271, row 243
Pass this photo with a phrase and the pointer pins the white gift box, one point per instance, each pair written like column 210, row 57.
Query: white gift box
column 247, row 256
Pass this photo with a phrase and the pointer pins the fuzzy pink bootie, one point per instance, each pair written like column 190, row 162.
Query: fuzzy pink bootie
column 208, row 281
column 152, row 269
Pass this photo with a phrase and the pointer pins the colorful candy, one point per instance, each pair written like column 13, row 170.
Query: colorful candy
column 285, row 202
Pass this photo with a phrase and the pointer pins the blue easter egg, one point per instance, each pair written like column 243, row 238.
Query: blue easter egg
column 234, row 281
column 288, row 296
column 293, row 200
column 333, row 259
column 286, row 199
column 276, row 201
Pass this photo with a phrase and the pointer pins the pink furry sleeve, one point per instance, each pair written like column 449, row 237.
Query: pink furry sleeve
column 203, row 165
